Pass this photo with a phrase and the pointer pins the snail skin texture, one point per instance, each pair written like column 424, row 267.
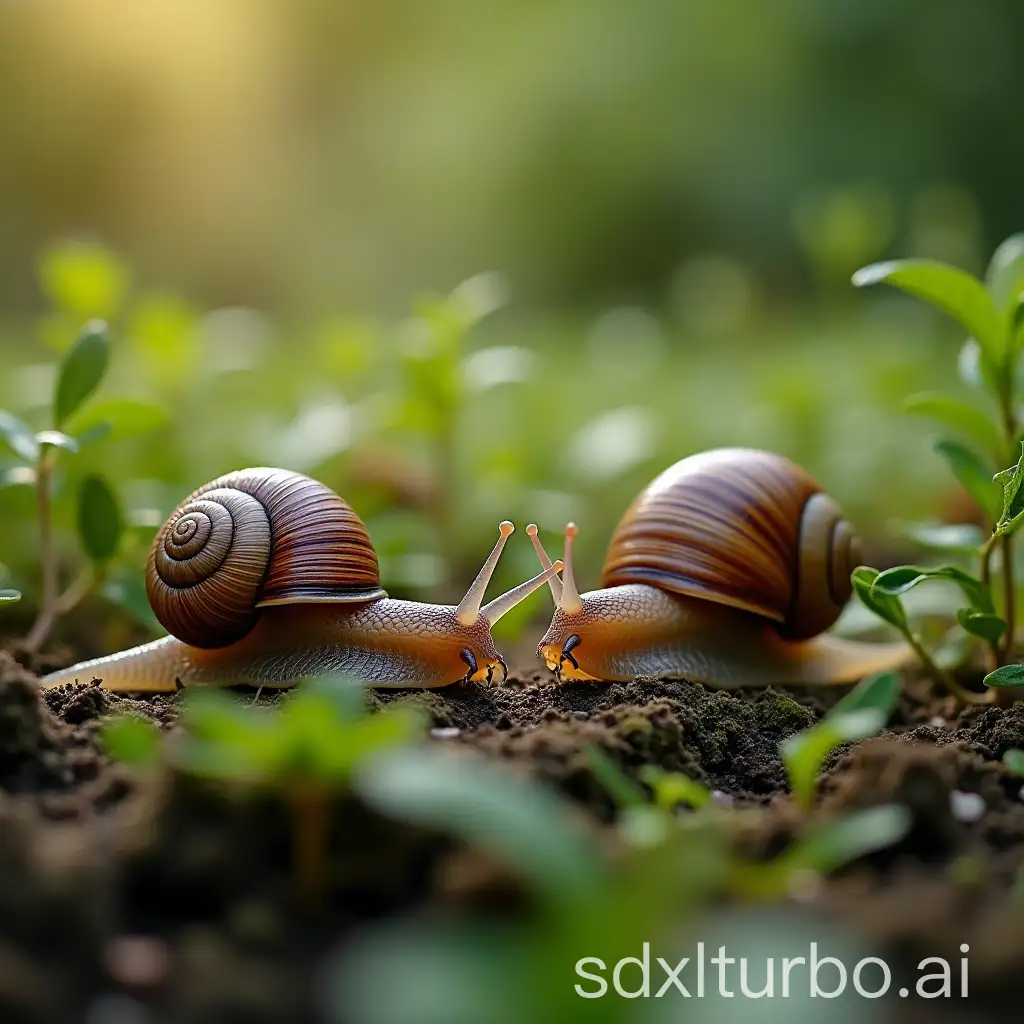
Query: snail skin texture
column 265, row 577
column 725, row 570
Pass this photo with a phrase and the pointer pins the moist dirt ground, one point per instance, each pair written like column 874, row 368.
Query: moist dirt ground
column 125, row 898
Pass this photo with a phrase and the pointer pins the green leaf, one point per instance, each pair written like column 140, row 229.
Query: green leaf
column 1014, row 760
column 880, row 692
column 1006, row 676
column 888, row 608
column 673, row 788
column 132, row 739
column 100, row 521
column 613, row 780
column 954, row 291
column 974, row 475
column 805, row 752
column 18, row 437
column 513, row 819
column 83, row 279
column 9, row 596
column 959, row 415
column 1005, row 274
column 897, row 581
column 57, row 439
column 81, row 370
column 1012, row 482
column 828, row 847
column 115, row 419
column 958, row 538
column 988, row 626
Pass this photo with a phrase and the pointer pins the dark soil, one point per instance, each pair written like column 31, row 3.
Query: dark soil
column 129, row 898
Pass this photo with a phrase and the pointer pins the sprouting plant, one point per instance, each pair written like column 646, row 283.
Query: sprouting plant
column 517, row 821
column 860, row 714
column 99, row 517
column 987, row 433
column 308, row 748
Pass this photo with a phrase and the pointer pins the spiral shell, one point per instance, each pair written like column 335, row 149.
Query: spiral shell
column 252, row 539
column 743, row 528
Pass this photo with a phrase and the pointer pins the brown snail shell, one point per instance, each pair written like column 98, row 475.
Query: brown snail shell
column 743, row 528
column 253, row 539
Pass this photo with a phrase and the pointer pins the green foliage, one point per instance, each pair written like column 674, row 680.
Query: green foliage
column 100, row 520
column 974, row 475
column 1006, row 677
column 962, row 416
column 862, row 713
column 18, row 436
column 673, row 789
column 1014, row 760
column 954, row 291
column 317, row 735
column 898, row 581
column 825, row 848
column 883, row 605
column 1012, row 482
column 514, row 820
column 987, row 625
column 81, row 370
column 880, row 692
column 992, row 313
column 131, row 739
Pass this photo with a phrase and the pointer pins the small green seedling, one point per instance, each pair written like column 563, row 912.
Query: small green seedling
column 308, row 748
column 517, row 821
column 992, row 312
column 1014, row 760
column 100, row 521
column 860, row 714
column 823, row 849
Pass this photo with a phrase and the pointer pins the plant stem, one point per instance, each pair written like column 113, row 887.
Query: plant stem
column 47, row 556
column 986, row 560
column 1009, row 596
column 310, row 807
column 944, row 677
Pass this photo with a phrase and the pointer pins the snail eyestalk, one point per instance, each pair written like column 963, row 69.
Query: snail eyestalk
column 555, row 584
column 500, row 605
column 570, row 603
column 469, row 607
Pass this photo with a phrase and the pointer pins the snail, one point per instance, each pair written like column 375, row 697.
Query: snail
column 726, row 570
column 265, row 576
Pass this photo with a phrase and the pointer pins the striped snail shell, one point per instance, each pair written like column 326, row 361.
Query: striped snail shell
column 743, row 528
column 250, row 540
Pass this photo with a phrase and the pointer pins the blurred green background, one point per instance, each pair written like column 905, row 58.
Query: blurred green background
column 637, row 221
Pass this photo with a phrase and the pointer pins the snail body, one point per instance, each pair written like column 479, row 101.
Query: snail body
column 265, row 577
column 726, row 569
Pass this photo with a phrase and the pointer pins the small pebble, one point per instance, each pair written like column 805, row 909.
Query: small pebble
column 937, row 722
column 446, row 733
column 720, row 798
column 966, row 807
column 580, row 716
